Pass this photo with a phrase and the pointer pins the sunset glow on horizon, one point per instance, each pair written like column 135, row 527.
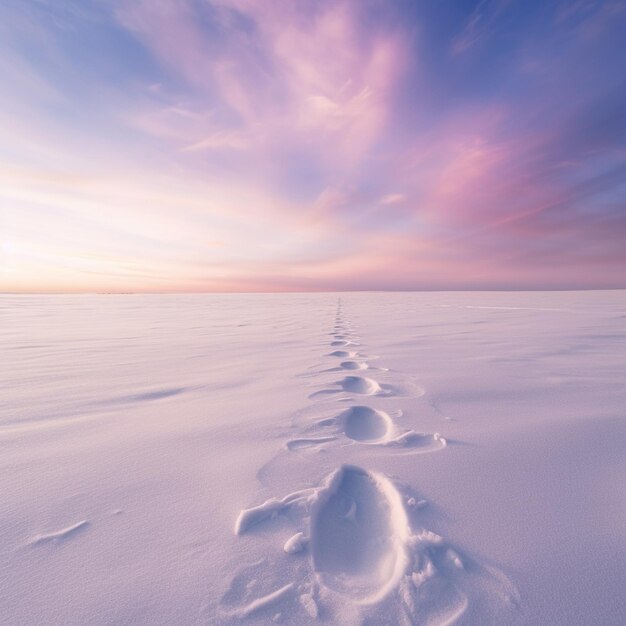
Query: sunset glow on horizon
column 242, row 145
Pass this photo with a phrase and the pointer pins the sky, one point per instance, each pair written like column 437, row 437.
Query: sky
column 290, row 145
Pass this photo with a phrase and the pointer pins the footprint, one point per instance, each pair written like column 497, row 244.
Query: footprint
column 353, row 365
column 369, row 426
column 353, row 545
column 342, row 354
column 359, row 535
column 361, row 423
column 369, row 387
column 360, row 384
column 353, row 384
column 346, row 366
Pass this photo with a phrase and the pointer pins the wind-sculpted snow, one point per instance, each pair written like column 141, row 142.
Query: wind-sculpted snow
column 60, row 535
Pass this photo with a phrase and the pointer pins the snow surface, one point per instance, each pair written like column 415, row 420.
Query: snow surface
column 367, row 458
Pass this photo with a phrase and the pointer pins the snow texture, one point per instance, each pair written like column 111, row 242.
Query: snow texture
column 375, row 459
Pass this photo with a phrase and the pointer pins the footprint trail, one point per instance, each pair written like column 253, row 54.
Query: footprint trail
column 358, row 551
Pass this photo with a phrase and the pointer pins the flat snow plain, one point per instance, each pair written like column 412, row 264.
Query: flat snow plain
column 364, row 458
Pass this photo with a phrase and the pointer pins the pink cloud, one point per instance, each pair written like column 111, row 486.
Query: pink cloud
column 319, row 78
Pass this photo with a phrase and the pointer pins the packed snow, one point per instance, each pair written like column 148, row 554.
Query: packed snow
column 358, row 458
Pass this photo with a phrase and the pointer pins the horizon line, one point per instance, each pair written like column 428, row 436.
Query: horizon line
column 309, row 291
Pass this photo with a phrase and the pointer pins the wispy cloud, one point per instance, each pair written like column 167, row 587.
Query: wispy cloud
column 235, row 144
